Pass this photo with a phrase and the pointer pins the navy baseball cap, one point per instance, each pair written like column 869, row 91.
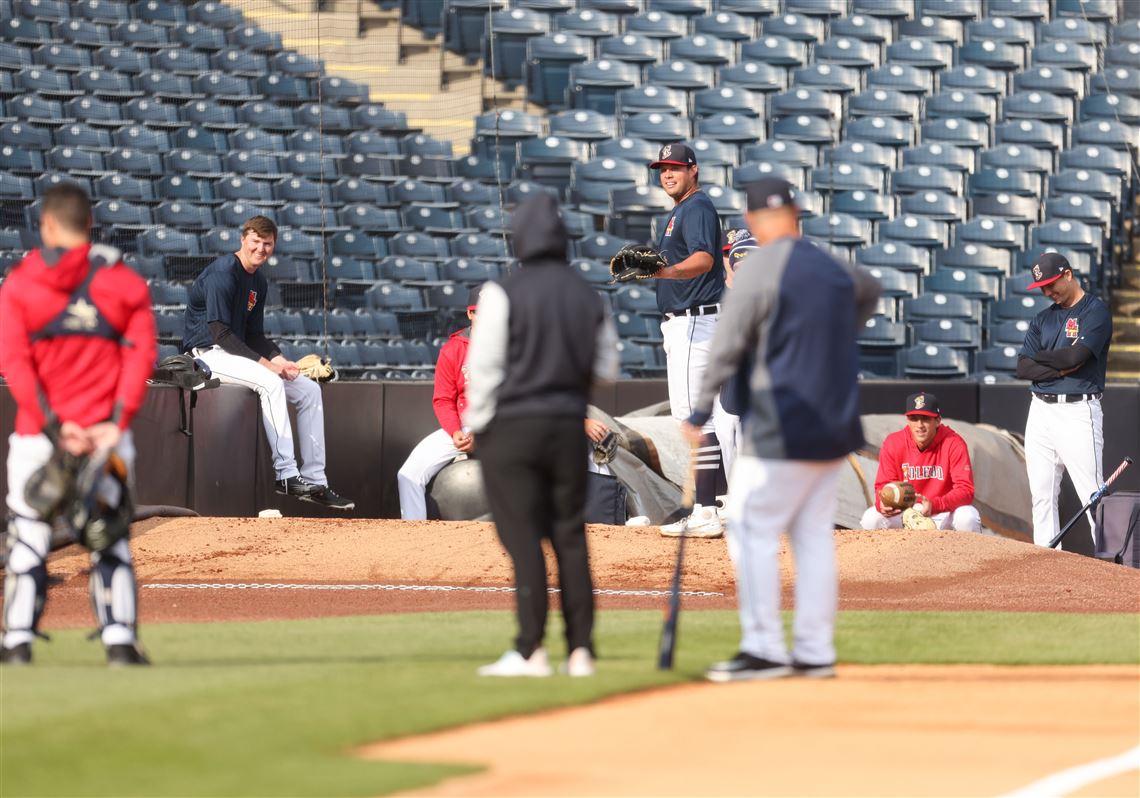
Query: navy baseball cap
column 923, row 404
column 473, row 297
column 677, row 154
column 741, row 236
column 1048, row 269
column 768, row 193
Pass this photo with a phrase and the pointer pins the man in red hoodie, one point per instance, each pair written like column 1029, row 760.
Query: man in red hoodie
column 449, row 400
column 77, row 344
column 934, row 459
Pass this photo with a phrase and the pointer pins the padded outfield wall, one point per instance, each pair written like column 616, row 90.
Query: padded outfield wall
column 223, row 467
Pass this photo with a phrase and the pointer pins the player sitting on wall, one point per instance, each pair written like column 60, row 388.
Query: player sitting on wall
column 934, row 459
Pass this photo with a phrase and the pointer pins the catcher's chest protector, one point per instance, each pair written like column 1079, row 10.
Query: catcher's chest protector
column 80, row 316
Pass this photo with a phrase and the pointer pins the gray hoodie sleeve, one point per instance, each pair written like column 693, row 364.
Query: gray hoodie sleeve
column 606, row 358
column 486, row 356
column 737, row 330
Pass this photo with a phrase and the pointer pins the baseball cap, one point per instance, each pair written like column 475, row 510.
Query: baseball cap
column 675, row 153
column 769, row 192
column 739, row 237
column 922, row 404
column 1048, row 269
column 473, row 297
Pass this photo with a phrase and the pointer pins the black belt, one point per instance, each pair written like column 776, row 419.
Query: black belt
column 698, row 310
column 1065, row 398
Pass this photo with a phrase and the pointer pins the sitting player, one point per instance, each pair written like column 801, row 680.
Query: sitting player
column 934, row 459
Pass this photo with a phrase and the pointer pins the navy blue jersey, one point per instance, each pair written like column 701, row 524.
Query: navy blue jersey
column 225, row 292
column 692, row 227
column 1088, row 323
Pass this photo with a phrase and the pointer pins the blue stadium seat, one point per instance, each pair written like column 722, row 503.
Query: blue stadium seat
column 166, row 85
column 425, row 146
column 846, row 177
column 989, row 231
column 953, row 333
column 194, row 162
column 122, row 187
column 1081, row 208
column 152, row 113
column 1037, row 105
column 592, row 181
column 918, row 231
column 1105, row 133
column 1117, row 107
column 1123, row 54
column 355, row 245
column 47, row 82
column 34, row 108
column 300, row 189
column 83, row 136
column 306, row 216
column 934, row 204
column 947, row 156
column 848, row 51
column 1007, row 206
column 679, row 74
column 880, row 342
column 506, row 50
column 484, row 246
column 223, row 86
column 142, row 35
column 68, row 159
column 937, row 306
column 340, row 269
column 365, row 142
column 144, row 164
column 369, row 218
column 863, row 205
column 473, row 271
column 925, row 53
column 255, row 140
column 588, row 22
column 884, row 102
column 106, row 213
column 827, row 77
column 801, row 100
column 1018, row 308
column 755, row 77
column 20, row 161
column 635, row 299
column 727, row 99
column 406, row 191
column 349, row 190
column 83, row 32
column 805, row 129
column 419, row 246
column 703, row 49
column 549, row 160
column 181, row 61
column 312, row 142
column 21, row 30
column 996, row 361
column 900, row 77
column 163, row 241
column 894, row 133
column 548, row 64
column 895, row 255
column 13, row 56
column 930, row 361
column 752, row 171
column 199, row 37
column 631, row 49
column 1073, row 56
column 240, row 188
column 258, row 165
column 775, row 50
column 582, row 125
column 63, row 56
column 215, row 14
column 961, row 105
column 838, row 229
column 1010, row 332
column 431, row 218
column 1073, row 30
column 489, row 218
column 594, row 85
column 143, row 138
column 652, row 99
column 972, row 283
column 978, row 257
column 729, row 127
column 183, row 216
column 1084, row 182
column 238, row 61
column 255, row 39
column 600, row 246
column 293, row 63
column 101, row 83
column 796, row 27
column 911, row 179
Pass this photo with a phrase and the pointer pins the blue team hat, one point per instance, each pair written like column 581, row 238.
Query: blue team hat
column 923, row 404
column 676, row 153
column 768, row 193
column 739, row 238
column 1048, row 269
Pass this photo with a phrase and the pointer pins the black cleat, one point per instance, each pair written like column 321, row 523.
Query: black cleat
column 324, row 496
column 125, row 654
column 743, row 667
column 295, row 486
column 824, row 671
column 19, row 654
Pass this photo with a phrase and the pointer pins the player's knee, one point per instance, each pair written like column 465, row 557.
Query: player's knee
column 967, row 519
column 872, row 519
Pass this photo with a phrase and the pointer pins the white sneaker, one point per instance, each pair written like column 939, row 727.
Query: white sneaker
column 579, row 663
column 513, row 663
column 722, row 508
column 703, row 523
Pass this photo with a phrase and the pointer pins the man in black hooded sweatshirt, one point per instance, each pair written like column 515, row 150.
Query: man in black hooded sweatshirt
column 544, row 338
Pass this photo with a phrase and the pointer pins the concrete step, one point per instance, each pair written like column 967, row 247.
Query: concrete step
column 1125, row 330
column 1126, row 302
column 1123, row 376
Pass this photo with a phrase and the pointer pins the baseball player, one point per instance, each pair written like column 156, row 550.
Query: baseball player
column 449, row 400
column 544, row 337
column 1065, row 354
column 738, row 244
column 791, row 316
column 225, row 316
column 936, row 461
column 688, row 295
column 77, row 343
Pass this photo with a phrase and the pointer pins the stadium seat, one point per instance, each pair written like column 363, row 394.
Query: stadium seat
column 930, row 361
column 680, row 74
column 758, row 78
column 472, row 271
column 895, row 255
column 183, row 187
column 594, row 85
column 1018, row 308
column 863, row 205
column 884, row 102
column 997, row 360
column 631, row 49
column 702, row 49
column 583, row 125
column 988, row 231
column 900, row 77
column 407, row 270
column 726, row 99
column 977, row 257
column 846, row 177
column 911, row 179
column 370, row 219
column 915, row 230
column 183, row 216
column 805, row 129
column 592, row 181
column 548, row 64
column 938, row 205
column 1085, row 182
column 972, row 283
column 954, row 333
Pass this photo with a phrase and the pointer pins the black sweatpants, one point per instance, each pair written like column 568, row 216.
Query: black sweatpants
column 534, row 471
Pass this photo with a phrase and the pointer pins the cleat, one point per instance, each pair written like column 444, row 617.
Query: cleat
column 826, row 671
column 579, row 663
column 745, row 667
column 324, row 496
column 513, row 663
column 295, row 486
column 703, row 523
column 126, row 654
column 19, row 654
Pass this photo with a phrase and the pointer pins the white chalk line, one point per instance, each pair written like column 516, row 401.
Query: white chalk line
column 1065, row 782
column 407, row 588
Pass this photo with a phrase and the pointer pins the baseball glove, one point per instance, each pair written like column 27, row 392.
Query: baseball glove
column 606, row 449
column 913, row 519
column 636, row 262
column 897, row 495
column 317, row 368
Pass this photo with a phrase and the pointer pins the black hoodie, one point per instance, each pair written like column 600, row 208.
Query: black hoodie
column 543, row 336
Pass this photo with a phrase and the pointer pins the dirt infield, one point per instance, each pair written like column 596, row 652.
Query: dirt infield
column 892, row 569
column 885, row 730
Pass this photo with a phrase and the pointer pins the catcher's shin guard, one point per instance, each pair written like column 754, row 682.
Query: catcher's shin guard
column 25, row 591
column 113, row 594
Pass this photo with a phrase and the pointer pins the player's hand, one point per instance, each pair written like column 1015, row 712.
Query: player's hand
column 74, row 439
column 463, row 441
column 596, row 430
column 922, row 504
column 690, row 433
column 889, row 512
column 285, row 369
column 105, row 435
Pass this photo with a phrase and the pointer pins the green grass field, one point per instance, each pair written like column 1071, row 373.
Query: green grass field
column 275, row 708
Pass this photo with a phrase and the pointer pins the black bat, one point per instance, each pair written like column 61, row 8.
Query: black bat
column 1096, row 497
column 669, row 631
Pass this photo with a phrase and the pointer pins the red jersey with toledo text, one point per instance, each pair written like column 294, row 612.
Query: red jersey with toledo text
column 84, row 377
column 941, row 472
column 450, row 396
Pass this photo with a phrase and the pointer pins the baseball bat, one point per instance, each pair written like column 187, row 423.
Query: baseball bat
column 668, row 643
column 1096, row 497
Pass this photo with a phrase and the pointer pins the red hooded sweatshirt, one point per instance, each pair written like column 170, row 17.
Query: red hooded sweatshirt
column 85, row 379
column 941, row 472
column 450, row 396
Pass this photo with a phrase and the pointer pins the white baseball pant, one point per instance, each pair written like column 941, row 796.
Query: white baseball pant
column 274, row 392
column 765, row 498
column 1058, row 438
column 687, row 341
column 964, row 519
column 25, row 579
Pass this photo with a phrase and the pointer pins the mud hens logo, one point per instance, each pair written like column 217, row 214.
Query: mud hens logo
column 251, row 301
column 82, row 316
column 666, row 151
column 919, row 402
column 1036, row 272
